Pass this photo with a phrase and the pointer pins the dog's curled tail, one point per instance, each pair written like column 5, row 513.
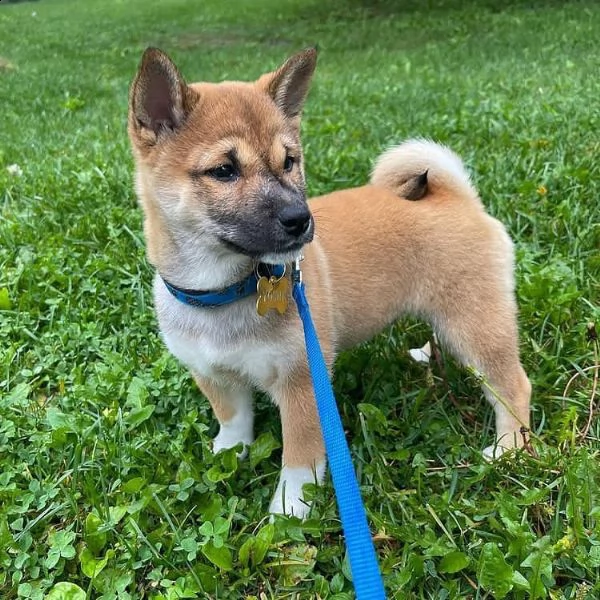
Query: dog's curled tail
column 418, row 167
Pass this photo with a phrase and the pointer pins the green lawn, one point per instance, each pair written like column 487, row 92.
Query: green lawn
column 106, row 478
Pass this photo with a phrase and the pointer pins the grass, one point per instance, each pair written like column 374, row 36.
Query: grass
column 107, row 486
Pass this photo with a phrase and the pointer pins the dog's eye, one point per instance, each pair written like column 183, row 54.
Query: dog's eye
column 223, row 172
column 288, row 163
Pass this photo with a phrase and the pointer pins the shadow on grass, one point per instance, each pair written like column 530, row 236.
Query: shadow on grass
column 379, row 8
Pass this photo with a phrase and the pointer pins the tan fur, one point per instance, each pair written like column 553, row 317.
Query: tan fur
column 375, row 255
column 218, row 398
column 301, row 431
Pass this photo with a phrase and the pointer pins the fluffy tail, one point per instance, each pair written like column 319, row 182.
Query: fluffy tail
column 418, row 167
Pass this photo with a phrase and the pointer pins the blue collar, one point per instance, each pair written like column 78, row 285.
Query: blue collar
column 233, row 293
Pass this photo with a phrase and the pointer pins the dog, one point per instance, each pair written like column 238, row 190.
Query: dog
column 219, row 174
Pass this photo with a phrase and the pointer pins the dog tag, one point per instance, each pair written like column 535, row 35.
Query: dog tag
column 272, row 294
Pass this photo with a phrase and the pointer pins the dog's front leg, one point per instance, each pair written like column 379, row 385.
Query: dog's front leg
column 303, row 451
column 232, row 404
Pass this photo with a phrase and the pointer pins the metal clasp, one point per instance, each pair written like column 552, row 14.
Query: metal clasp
column 296, row 270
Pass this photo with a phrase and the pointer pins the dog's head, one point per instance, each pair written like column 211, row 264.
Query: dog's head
column 219, row 168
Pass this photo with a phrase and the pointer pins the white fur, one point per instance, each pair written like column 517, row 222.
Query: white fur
column 494, row 452
column 197, row 259
column 230, row 341
column 281, row 258
column 288, row 497
column 240, row 428
column 444, row 168
column 229, row 344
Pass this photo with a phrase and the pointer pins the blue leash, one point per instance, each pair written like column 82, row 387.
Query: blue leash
column 361, row 552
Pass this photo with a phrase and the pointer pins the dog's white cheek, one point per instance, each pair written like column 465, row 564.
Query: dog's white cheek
column 239, row 429
column 288, row 498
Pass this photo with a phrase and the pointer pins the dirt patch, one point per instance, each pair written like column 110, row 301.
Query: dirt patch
column 5, row 65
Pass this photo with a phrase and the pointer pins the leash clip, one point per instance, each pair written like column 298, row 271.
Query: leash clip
column 296, row 270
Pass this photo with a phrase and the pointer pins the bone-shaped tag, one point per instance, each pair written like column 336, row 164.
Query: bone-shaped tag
column 273, row 293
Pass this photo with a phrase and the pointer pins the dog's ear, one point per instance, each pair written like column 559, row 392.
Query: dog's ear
column 159, row 100
column 288, row 85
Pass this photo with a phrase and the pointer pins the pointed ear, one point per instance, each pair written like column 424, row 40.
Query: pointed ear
column 159, row 99
column 288, row 86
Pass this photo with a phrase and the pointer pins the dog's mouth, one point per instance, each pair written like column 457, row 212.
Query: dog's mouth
column 237, row 248
column 290, row 249
column 258, row 246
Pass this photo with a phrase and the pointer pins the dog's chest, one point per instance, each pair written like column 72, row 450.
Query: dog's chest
column 218, row 343
column 258, row 362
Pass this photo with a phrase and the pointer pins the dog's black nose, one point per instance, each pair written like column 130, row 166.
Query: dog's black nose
column 295, row 220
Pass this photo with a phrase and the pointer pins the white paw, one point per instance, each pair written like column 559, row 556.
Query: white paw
column 237, row 430
column 288, row 498
column 494, row 452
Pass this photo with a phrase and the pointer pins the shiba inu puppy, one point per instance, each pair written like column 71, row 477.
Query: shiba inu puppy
column 219, row 174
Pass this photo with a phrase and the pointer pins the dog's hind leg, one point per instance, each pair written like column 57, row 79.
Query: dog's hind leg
column 232, row 404
column 482, row 333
